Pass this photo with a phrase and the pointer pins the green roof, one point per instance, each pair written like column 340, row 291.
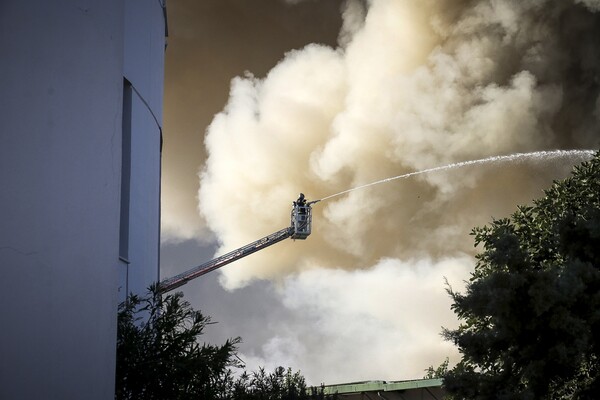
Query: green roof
column 379, row 386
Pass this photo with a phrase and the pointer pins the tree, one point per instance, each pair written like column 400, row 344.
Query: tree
column 530, row 315
column 158, row 354
column 439, row 372
column 281, row 384
column 159, row 357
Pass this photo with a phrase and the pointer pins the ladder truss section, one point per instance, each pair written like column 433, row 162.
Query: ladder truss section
column 178, row 280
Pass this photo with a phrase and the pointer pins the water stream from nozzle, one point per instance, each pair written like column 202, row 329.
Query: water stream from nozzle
column 535, row 156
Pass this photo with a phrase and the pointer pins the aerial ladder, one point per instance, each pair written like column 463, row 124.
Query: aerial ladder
column 300, row 228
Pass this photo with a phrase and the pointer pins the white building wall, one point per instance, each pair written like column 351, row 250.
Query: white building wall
column 61, row 82
column 144, row 68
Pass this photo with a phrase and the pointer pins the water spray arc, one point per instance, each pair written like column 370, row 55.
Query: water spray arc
column 539, row 155
column 301, row 215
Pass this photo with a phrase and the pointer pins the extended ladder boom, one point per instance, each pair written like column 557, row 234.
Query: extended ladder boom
column 300, row 228
column 178, row 280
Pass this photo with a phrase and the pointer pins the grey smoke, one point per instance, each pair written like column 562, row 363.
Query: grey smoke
column 417, row 85
column 413, row 85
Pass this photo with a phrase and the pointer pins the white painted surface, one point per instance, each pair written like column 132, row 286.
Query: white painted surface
column 144, row 49
column 144, row 210
column 61, row 77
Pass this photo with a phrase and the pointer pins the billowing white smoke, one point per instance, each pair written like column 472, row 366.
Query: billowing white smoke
column 380, row 323
column 416, row 85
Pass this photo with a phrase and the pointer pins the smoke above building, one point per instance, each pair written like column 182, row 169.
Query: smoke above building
column 412, row 85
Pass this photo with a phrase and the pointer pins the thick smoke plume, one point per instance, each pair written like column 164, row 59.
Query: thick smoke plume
column 413, row 85
column 364, row 324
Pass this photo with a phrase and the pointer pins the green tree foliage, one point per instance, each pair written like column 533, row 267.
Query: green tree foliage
column 158, row 354
column 159, row 358
column 281, row 384
column 439, row 372
column 530, row 315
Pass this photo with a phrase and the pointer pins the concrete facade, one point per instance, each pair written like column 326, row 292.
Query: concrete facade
column 64, row 68
column 143, row 68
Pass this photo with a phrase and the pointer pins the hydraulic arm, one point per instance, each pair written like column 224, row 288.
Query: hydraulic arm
column 301, row 221
column 183, row 278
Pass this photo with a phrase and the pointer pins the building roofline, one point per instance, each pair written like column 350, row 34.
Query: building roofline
column 378, row 386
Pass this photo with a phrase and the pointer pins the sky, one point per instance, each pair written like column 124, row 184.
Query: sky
column 267, row 99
